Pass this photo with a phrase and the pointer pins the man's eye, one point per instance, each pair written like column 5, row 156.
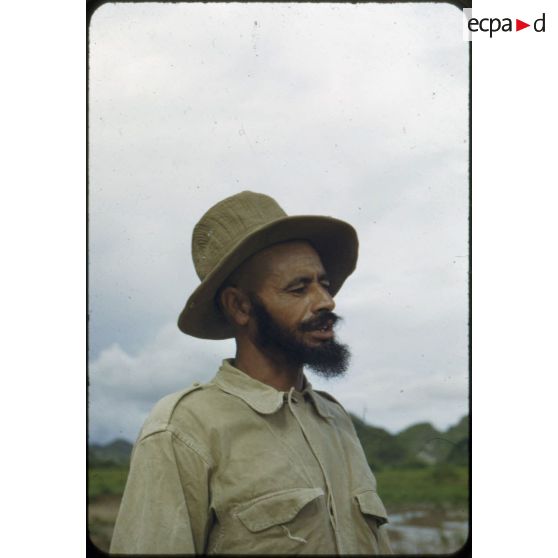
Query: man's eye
column 298, row 290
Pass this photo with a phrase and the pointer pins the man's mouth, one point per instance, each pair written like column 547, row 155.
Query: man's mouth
column 323, row 332
column 321, row 327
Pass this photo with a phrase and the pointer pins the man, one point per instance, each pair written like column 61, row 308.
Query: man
column 256, row 461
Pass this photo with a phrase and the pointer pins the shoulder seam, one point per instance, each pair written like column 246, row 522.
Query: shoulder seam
column 190, row 443
column 164, row 409
column 328, row 396
column 180, row 437
column 331, row 399
column 184, row 393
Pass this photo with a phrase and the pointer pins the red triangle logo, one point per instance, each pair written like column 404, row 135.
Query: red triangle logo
column 519, row 25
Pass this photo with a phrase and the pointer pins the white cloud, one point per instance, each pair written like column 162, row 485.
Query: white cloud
column 399, row 377
column 124, row 387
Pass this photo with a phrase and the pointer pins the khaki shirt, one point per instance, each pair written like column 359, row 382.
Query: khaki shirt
column 235, row 466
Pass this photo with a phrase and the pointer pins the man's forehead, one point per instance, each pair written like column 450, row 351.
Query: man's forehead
column 288, row 258
column 278, row 263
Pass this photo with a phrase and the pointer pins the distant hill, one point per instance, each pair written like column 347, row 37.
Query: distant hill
column 459, row 454
column 420, row 444
column 459, row 431
column 379, row 445
column 117, row 453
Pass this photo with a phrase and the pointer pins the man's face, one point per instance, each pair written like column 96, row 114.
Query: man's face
column 293, row 309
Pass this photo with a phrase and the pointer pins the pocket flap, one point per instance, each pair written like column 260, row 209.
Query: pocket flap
column 370, row 504
column 277, row 508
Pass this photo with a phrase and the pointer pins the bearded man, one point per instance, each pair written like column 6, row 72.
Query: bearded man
column 256, row 461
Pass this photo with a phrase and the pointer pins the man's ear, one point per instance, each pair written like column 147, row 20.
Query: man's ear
column 236, row 305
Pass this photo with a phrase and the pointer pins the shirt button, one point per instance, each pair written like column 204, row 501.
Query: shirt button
column 196, row 384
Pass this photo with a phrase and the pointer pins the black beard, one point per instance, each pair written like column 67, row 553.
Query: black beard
column 330, row 359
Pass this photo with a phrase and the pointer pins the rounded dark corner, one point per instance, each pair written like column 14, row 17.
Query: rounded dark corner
column 92, row 549
column 91, row 6
column 465, row 551
column 461, row 4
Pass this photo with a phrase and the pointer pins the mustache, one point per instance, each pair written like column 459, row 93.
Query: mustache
column 320, row 321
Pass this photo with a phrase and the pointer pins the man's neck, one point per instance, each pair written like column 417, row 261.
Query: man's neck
column 268, row 367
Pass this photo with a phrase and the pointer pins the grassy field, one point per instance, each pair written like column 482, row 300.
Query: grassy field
column 106, row 481
column 438, row 487
column 105, row 488
column 444, row 486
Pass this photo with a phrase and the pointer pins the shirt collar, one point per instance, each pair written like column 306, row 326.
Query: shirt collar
column 316, row 399
column 261, row 397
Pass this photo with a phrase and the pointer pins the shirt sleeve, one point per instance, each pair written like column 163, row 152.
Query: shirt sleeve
column 165, row 506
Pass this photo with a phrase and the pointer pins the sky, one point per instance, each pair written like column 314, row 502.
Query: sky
column 355, row 111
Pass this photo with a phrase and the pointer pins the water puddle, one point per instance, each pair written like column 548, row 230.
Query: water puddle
column 428, row 531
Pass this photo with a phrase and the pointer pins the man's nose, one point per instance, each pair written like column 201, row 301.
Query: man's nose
column 323, row 300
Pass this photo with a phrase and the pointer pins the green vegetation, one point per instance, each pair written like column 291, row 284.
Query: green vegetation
column 107, row 481
column 418, row 466
column 459, row 453
column 379, row 445
column 115, row 454
column 442, row 485
column 417, row 446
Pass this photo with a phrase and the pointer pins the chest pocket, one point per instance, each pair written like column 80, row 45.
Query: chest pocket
column 370, row 505
column 277, row 508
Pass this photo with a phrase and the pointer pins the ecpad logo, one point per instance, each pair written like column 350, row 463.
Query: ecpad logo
column 492, row 25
